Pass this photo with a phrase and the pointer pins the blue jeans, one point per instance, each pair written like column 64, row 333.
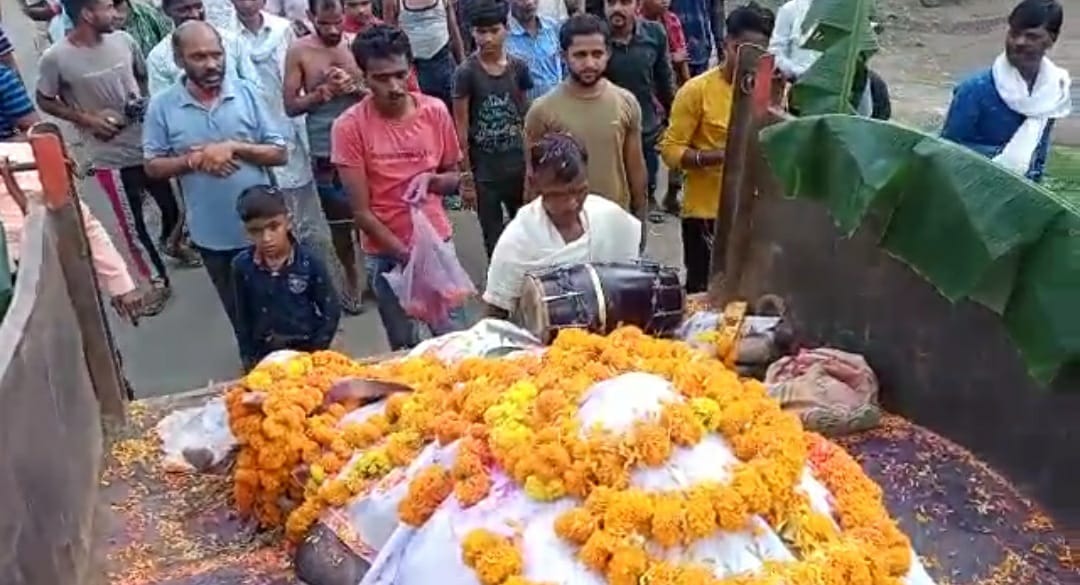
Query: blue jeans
column 402, row 331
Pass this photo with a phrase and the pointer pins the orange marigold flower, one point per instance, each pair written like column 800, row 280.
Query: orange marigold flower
column 576, row 525
column 629, row 511
column 426, row 492
column 668, row 519
column 472, row 489
column 627, row 565
column 493, row 558
column 653, row 443
column 597, row 551
column 685, row 428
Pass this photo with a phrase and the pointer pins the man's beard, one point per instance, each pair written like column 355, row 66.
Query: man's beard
column 208, row 79
column 521, row 15
column 578, row 79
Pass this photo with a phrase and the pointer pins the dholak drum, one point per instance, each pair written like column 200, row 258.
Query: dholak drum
column 600, row 297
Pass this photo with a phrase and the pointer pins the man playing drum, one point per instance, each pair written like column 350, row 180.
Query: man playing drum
column 565, row 224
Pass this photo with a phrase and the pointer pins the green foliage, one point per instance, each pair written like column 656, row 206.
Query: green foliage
column 841, row 30
column 970, row 227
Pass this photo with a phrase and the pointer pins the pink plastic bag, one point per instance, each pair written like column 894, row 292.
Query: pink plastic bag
column 432, row 282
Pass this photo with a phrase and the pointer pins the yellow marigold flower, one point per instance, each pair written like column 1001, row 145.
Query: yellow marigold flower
column 476, row 543
column 297, row 366
column 361, row 435
column 258, row 380
column 317, row 473
column 373, row 463
column 402, row 447
column 707, row 412
column 544, row 490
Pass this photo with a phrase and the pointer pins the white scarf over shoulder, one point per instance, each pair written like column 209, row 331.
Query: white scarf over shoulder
column 1048, row 99
column 531, row 242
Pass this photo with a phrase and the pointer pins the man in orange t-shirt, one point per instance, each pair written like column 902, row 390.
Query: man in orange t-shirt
column 390, row 141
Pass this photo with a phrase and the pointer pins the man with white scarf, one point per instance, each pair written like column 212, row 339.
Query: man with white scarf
column 565, row 224
column 1007, row 112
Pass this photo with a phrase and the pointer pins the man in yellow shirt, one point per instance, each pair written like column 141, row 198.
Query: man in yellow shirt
column 695, row 139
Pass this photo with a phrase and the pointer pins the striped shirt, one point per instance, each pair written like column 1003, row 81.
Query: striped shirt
column 14, row 101
column 5, row 44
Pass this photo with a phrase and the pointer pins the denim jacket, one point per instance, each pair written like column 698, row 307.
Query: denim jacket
column 294, row 308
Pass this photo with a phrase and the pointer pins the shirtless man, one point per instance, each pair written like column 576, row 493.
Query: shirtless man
column 321, row 80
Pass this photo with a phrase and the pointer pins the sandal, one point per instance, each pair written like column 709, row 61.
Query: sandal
column 155, row 299
column 184, row 256
column 351, row 305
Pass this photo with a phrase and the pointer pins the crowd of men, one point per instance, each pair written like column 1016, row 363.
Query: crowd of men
column 295, row 129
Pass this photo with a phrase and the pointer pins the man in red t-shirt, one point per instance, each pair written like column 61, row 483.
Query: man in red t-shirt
column 381, row 146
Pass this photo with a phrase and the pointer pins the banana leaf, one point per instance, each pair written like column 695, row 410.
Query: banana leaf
column 971, row 228
column 841, row 30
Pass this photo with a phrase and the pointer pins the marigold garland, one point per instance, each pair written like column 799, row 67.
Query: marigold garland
column 520, row 414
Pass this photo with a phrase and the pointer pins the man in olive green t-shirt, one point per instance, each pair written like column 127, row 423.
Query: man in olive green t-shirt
column 601, row 115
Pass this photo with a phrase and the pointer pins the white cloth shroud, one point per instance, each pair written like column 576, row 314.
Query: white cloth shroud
column 531, row 242
column 1048, row 99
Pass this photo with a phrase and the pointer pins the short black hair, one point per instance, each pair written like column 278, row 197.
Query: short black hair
column 580, row 25
column 1038, row 13
column 381, row 41
column 261, row 202
column 749, row 18
column 560, row 153
column 165, row 4
column 314, row 6
column 483, row 13
column 74, row 7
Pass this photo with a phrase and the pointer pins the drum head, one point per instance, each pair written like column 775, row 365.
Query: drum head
column 532, row 310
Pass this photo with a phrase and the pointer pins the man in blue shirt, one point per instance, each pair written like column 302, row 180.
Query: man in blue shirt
column 535, row 40
column 703, row 23
column 1007, row 111
column 16, row 110
column 214, row 134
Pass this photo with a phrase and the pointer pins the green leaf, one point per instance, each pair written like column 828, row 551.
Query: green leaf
column 971, row 228
column 840, row 29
